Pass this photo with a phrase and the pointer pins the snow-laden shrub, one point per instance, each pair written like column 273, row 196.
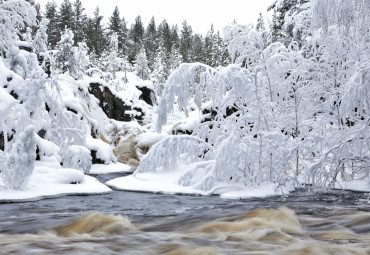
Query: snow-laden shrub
column 77, row 157
column 14, row 16
column 20, row 160
column 349, row 156
column 242, row 145
column 69, row 58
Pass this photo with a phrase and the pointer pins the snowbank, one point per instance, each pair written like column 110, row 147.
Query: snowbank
column 47, row 182
column 167, row 183
column 356, row 185
column 110, row 168
column 153, row 182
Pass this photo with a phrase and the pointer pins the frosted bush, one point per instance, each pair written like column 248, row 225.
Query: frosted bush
column 20, row 160
column 77, row 157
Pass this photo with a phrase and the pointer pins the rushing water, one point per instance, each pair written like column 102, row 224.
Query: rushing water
column 142, row 223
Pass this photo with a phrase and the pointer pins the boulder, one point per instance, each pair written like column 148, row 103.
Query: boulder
column 112, row 106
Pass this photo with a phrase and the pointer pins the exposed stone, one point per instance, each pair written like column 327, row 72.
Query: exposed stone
column 126, row 151
column 112, row 106
column 147, row 95
column 95, row 160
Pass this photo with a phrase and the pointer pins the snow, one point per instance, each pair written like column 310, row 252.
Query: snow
column 167, row 183
column 355, row 185
column 47, row 182
column 148, row 139
column 104, row 150
column 110, row 168
column 6, row 101
column 153, row 182
column 263, row 190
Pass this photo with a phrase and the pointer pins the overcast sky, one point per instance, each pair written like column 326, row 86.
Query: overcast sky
column 200, row 14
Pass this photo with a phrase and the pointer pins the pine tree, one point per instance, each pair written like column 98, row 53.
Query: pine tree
column 95, row 39
column 175, row 36
column 113, row 61
column 123, row 37
column 136, row 35
column 164, row 33
column 39, row 45
column 151, row 42
column 81, row 60
column 64, row 58
column 208, row 47
column 260, row 27
column 198, row 49
column 79, row 21
column 186, row 42
column 118, row 26
column 282, row 27
column 66, row 15
column 175, row 59
column 115, row 21
column 160, row 70
column 53, row 28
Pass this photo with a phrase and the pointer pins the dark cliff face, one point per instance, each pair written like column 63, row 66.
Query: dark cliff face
column 112, row 106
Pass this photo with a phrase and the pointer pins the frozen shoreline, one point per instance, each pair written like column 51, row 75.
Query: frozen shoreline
column 47, row 182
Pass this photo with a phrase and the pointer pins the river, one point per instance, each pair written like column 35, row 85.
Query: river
column 144, row 223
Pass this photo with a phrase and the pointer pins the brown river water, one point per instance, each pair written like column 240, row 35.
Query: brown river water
column 143, row 223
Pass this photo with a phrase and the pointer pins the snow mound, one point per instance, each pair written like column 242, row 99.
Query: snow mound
column 47, row 182
column 168, row 183
column 110, row 168
column 354, row 185
column 154, row 183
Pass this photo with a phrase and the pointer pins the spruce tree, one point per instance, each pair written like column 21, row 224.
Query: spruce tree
column 94, row 32
column 175, row 36
column 164, row 33
column 175, row 59
column 79, row 21
column 151, row 42
column 198, row 49
column 160, row 70
column 118, row 26
column 66, row 15
column 53, row 33
column 136, row 36
column 115, row 21
column 141, row 65
column 64, row 58
column 186, row 41
column 208, row 47
column 260, row 26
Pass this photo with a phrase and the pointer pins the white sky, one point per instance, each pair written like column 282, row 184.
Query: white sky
column 200, row 14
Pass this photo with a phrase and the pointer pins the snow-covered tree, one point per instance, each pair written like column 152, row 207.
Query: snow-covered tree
column 20, row 160
column 159, row 74
column 175, row 59
column 151, row 42
column 53, row 31
column 66, row 15
column 15, row 15
column 260, row 26
column 79, row 19
column 68, row 58
column 81, row 59
column 113, row 62
column 186, row 42
column 64, row 58
column 39, row 43
column 141, row 65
